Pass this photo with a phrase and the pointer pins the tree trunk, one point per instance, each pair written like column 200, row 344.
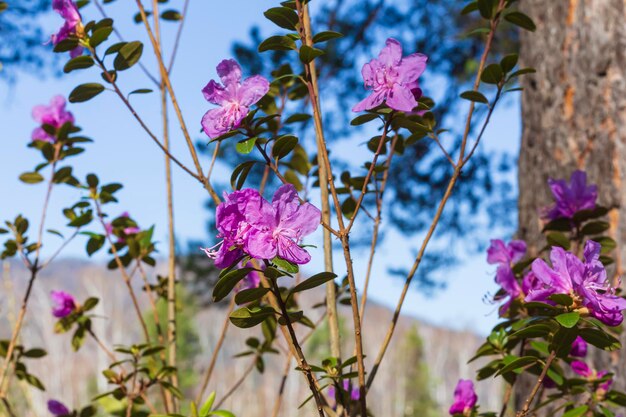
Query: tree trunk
column 574, row 117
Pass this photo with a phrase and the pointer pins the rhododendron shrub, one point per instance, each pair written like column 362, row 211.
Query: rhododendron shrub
column 556, row 304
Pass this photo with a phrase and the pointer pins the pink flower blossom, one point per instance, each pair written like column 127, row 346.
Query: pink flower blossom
column 57, row 408
column 249, row 224
column 64, row 304
column 571, row 198
column 505, row 255
column 579, row 347
column 586, row 282
column 53, row 115
column 393, row 79
column 233, row 96
column 464, row 398
column 69, row 12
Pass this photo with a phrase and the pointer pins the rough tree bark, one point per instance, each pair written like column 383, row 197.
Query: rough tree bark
column 574, row 116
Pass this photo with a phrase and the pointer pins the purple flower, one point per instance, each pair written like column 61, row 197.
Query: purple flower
column 125, row 232
column 393, row 79
column 464, row 397
column 354, row 392
column 586, row 282
column 505, row 256
column 65, row 304
column 571, row 198
column 579, row 347
column 69, row 12
column 230, row 221
column 249, row 224
column 500, row 253
column 54, row 115
column 57, row 408
column 277, row 228
column 234, row 98
column 582, row 369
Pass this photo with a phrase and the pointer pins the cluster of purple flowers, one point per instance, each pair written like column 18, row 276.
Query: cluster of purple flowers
column 250, row 225
column 69, row 12
column 579, row 349
column 585, row 281
column 465, row 398
column 53, row 115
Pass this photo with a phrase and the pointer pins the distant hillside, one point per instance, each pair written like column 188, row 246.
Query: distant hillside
column 445, row 352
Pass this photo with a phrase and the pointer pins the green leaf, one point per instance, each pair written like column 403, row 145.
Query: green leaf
column 562, row 299
column 475, row 96
column 79, row 338
column 128, row 55
column 534, row 330
column 90, row 303
column 508, row 62
column 140, row 91
column 85, row 92
column 315, row 281
column 31, row 177
column 246, row 146
column 282, row 17
column 595, row 228
column 326, row 36
column 35, row 382
column 221, row 413
column 348, row 207
column 3, row 6
column 473, row 6
column 206, row 407
column 486, row 8
column 558, row 239
column 518, row 364
column 250, row 294
column 568, row 320
column 277, row 43
column 492, row 74
column 521, row 20
column 364, row 118
column 308, row 54
column 249, row 317
column 34, row 353
column 240, row 173
column 227, row 282
column 171, row 15
column 285, row 265
column 599, row 339
column 80, row 62
column 298, row 117
column 283, row 146
column 576, row 412
column 522, row 71
column 94, row 244
column 100, row 35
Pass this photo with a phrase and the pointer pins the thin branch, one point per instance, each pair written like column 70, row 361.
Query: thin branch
column 34, row 269
column 529, row 400
column 179, row 32
column 60, row 249
column 125, row 275
column 434, row 136
column 379, row 210
column 281, row 389
column 242, row 378
column 121, row 38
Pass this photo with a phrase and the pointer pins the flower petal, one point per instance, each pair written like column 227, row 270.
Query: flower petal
column 391, row 54
column 229, row 71
column 411, row 67
column 215, row 93
column 261, row 244
column 401, row 98
column 290, row 251
column 252, row 90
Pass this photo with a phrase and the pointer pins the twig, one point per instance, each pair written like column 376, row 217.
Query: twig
column 125, row 275
column 236, row 385
column 178, row 35
column 281, row 389
column 532, row 394
column 376, row 228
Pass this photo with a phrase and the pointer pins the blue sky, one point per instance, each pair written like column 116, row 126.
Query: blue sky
column 123, row 152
